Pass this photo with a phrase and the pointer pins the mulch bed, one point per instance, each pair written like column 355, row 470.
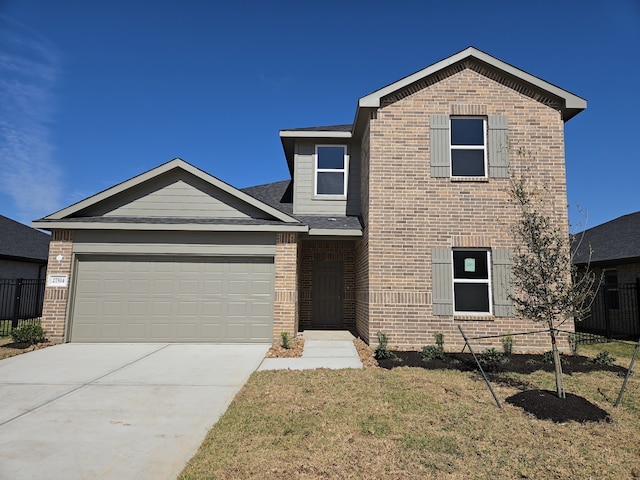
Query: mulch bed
column 518, row 363
column 278, row 351
column 544, row 405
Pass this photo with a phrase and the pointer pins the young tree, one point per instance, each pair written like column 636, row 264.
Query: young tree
column 547, row 287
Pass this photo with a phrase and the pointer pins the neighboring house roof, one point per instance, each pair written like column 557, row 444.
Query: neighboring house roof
column 20, row 242
column 616, row 240
column 97, row 212
column 280, row 195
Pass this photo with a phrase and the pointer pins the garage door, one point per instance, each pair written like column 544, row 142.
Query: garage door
column 173, row 300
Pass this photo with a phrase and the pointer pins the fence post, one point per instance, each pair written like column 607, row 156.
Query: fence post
column 607, row 320
column 16, row 304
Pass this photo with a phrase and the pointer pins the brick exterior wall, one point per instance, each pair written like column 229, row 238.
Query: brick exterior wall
column 410, row 213
column 54, row 309
column 362, row 247
column 285, row 304
column 319, row 250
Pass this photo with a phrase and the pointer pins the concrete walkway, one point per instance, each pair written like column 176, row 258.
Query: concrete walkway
column 322, row 349
column 114, row 411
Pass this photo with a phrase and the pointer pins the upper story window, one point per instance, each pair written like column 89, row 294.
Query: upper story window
column 331, row 170
column 471, row 282
column 468, row 147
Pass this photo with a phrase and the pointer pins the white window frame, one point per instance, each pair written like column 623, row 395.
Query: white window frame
column 469, row 147
column 488, row 281
column 344, row 171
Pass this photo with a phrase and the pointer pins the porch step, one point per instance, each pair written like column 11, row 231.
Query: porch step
column 327, row 335
column 318, row 353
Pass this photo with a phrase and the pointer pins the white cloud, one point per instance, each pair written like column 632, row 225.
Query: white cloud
column 29, row 174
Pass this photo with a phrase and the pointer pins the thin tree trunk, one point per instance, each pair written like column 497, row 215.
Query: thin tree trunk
column 557, row 363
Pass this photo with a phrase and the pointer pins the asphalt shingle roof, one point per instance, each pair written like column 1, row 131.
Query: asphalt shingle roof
column 618, row 239
column 22, row 242
column 279, row 195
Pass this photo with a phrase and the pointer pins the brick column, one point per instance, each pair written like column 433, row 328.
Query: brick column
column 285, row 306
column 54, row 310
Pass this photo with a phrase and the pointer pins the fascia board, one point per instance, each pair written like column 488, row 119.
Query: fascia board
column 571, row 101
column 116, row 189
column 164, row 168
column 198, row 227
column 240, row 195
column 329, row 232
column 313, row 134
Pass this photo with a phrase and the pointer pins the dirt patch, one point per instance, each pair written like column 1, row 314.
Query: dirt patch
column 278, row 351
column 546, row 405
column 11, row 349
column 366, row 353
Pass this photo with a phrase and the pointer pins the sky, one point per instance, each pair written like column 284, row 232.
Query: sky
column 95, row 92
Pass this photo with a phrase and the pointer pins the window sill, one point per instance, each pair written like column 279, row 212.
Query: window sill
column 480, row 317
column 329, row 197
column 470, row 179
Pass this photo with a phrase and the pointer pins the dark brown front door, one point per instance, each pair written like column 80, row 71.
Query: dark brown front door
column 327, row 293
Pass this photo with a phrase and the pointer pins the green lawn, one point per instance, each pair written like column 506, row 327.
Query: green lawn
column 414, row 423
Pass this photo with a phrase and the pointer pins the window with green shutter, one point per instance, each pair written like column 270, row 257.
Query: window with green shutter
column 473, row 281
column 463, row 146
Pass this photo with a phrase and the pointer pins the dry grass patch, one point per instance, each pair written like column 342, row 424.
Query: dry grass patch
column 413, row 423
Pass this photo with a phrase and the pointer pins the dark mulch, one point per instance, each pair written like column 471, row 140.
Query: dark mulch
column 18, row 345
column 517, row 363
column 546, row 405
column 543, row 405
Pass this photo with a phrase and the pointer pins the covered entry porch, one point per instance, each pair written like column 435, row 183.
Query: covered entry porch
column 326, row 287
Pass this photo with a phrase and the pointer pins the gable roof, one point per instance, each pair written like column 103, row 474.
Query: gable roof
column 572, row 104
column 20, row 242
column 515, row 78
column 83, row 214
column 618, row 240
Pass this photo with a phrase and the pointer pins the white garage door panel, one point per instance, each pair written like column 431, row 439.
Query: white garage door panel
column 193, row 300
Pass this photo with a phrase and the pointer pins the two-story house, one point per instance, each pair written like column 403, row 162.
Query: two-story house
column 399, row 222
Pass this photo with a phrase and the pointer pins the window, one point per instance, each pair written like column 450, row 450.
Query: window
column 468, row 147
column 331, row 170
column 471, row 281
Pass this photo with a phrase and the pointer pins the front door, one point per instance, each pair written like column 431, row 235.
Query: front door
column 327, row 294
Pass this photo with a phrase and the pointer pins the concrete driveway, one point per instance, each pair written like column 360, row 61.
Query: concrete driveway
column 114, row 411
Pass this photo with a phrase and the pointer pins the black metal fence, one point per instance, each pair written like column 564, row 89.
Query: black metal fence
column 614, row 313
column 20, row 300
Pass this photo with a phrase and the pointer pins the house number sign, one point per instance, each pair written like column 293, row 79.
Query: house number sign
column 57, row 280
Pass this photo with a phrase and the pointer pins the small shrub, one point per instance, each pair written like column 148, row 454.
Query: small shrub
column 431, row 352
column 507, row 344
column 604, row 358
column 492, row 357
column 547, row 357
column 285, row 340
column 439, row 337
column 381, row 352
column 31, row 334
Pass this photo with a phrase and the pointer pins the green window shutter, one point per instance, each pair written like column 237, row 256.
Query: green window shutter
column 502, row 282
column 498, row 147
column 440, row 149
column 442, row 280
